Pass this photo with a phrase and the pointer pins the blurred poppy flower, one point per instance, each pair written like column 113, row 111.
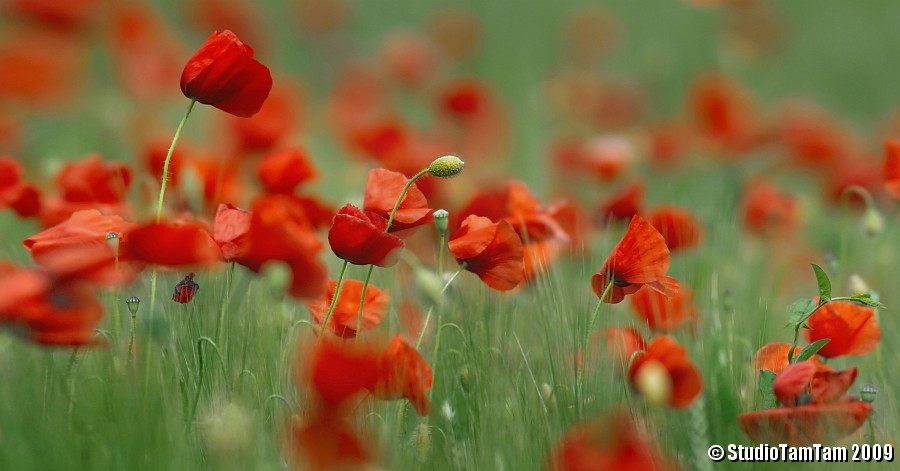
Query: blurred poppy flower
column 611, row 443
column 404, row 374
column 774, row 357
column 91, row 180
column 23, row 198
column 853, row 330
column 281, row 171
column 278, row 117
column 623, row 342
column 768, row 209
column 325, row 443
column 815, row 408
column 608, row 156
column 892, row 167
column 623, row 205
column 224, row 74
column 679, row 227
column 640, row 258
column 154, row 157
column 664, row 313
column 81, row 228
column 663, row 373
column 463, row 98
column 63, row 16
column 812, row 137
column 383, row 188
column 455, row 31
column 145, row 52
column 344, row 319
column 42, row 69
column 185, row 289
column 358, row 237
column 491, row 250
column 724, row 114
column 230, row 229
column 219, row 179
column 408, row 56
column 280, row 230
column 171, row 244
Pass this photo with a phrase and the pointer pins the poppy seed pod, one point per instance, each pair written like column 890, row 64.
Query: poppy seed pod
column 133, row 304
column 446, row 166
column 440, row 221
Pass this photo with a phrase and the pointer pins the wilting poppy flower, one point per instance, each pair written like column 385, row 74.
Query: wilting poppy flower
column 171, row 244
column 622, row 205
column 281, row 171
column 383, row 188
column 853, row 330
column 344, row 319
column 14, row 193
column 814, row 410
column 768, row 209
column 224, row 74
column 404, row 374
column 664, row 313
column 640, row 258
column 664, row 373
column 611, row 443
column 679, row 227
column 185, row 289
column 892, row 167
column 774, row 357
column 490, row 250
column 358, row 237
column 326, row 442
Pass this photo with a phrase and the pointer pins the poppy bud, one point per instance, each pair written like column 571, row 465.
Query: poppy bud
column 446, row 166
column 440, row 221
column 867, row 393
column 224, row 74
column 133, row 303
column 874, row 222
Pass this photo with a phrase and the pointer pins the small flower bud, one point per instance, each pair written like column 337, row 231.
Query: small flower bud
column 446, row 166
column 133, row 303
column 112, row 239
column 874, row 222
column 653, row 382
column 440, row 221
column 421, row 438
column 867, row 393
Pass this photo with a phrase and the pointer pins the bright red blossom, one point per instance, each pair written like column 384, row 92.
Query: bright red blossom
column 383, row 188
column 281, row 171
column 491, row 250
column 853, row 330
column 679, row 227
column 664, row 313
column 171, row 244
column 892, row 167
column 359, row 237
column 344, row 319
column 14, row 193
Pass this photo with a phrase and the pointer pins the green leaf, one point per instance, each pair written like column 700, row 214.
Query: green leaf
column 866, row 300
column 766, row 391
column 799, row 309
column 824, row 284
column 810, row 350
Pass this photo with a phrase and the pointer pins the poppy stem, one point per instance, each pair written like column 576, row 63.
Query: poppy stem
column 403, row 195
column 431, row 309
column 587, row 337
column 337, row 293
column 165, row 175
column 362, row 301
column 220, row 326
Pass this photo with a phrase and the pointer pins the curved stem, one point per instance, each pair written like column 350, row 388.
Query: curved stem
column 200, row 374
column 165, row 175
column 337, row 293
column 362, row 301
column 403, row 195
column 428, row 316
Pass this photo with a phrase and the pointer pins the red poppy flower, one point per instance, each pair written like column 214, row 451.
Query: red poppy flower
column 892, row 167
column 230, row 229
column 91, row 180
column 41, row 68
column 344, row 319
column 490, row 250
column 280, row 230
column 680, row 383
column 359, row 238
column 607, row 157
column 463, row 98
column 805, row 382
column 774, row 357
column 623, row 342
column 812, row 137
column 154, row 157
column 220, row 179
column 338, row 372
column 767, row 209
column 185, row 289
column 679, row 227
column 82, row 228
column 664, row 313
column 171, row 244
column 283, row 170
column 853, row 330
column 640, row 258
column 21, row 197
column 723, row 112
column 383, row 188
column 63, row 16
column 625, row 204
column 145, row 52
column 612, row 443
column 404, row 374
column 224, row 74
column 277, row 118
column 326, row 443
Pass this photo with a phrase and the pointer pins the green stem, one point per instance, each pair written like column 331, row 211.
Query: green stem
column 165, row 174
column 844, row 209
column 428, row 316
column 220, row 326
column 587, row 337
column 200, row 375
column 403, row 195
column 337, row 292
column 131, row 341
column 117, row 316
column 362, row 301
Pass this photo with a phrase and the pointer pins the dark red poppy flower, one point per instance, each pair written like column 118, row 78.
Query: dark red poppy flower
column 185, row 289
column 224, row 74
column 623, row 205
column 664, row 373
column 611, row 443
column 345, row 316
column 281, row 171
column 404, row 374
column 490, row 250
column 852, row 329
column 678, row 226
column 892, row 167
column 280, row 230
column 23, row 198
column 171, row 244
column 661, row 312
column 768, row 209
column 383, row 188
column 774, row 357
column 358, row 237
column 279, row 116
column 815, row 408
column 640, row 258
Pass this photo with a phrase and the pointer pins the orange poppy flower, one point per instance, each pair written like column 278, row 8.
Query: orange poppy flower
column 383, row 188
column 853, row 330
column 344, row 319
column 404, row 374
column 640, row 258
column 224, row 74
column 280, row 230
column 23, row 198
column 665, row 373
column 358, row 237
column 768, row 209
column 230, row 229
column 171, row 244
column 892, row 167
column 679, row 227
column 281, row 171
column 91, row 180
column 490, row 250
column 664, row 313
column 611, row 443
column 41, row 68
column 774, row 357
column 628, row 202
